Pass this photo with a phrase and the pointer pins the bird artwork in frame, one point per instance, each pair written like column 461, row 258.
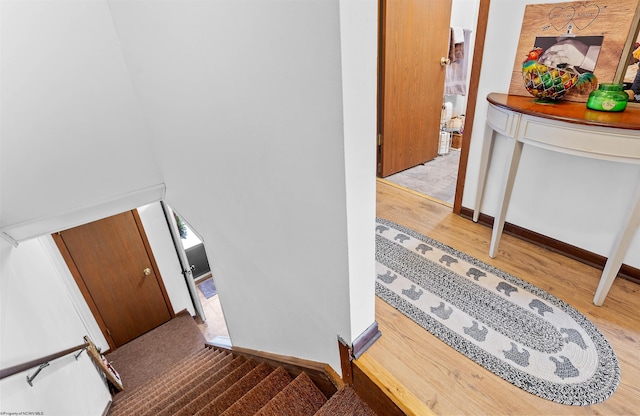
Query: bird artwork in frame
column 558, row 65
column 574, row 45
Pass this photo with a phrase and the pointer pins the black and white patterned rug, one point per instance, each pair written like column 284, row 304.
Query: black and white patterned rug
column 521, row 333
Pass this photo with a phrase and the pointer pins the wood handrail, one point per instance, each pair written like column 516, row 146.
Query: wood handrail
column 6, row 372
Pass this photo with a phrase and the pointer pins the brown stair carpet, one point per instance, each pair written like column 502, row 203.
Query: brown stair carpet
column 345, row 402
column 177, row 377
column 189, row 396
column 258, row 396
column 220, row 383
column 153, row 353
column 158, row 386
column 300, row 398
column 215, row 390
column 172, row 371
column 180, row 391
column 236, row 391
column 192, row 379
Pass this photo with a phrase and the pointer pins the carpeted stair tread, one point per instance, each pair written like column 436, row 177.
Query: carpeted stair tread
column 215, row 390
column 183, row 372
column 171, row 392
column 213, row 381
column 260, row 395
column 187, row 397
column 147, row 392
column 157, row 388
column 236, row 391
column 174, row 391
column 153, row 353
column 345, row 402
column 300, row 398
column 174, row 370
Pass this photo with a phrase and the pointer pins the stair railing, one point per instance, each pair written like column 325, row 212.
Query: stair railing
column 41, row 363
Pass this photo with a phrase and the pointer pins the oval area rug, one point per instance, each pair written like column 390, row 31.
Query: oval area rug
column 512, row 328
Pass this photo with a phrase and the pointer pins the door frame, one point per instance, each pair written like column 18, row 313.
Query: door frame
column 187, row 272
column 472, row 96
column 85, row 291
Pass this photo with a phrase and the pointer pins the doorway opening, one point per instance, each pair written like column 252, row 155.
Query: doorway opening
column 117, row 273
column 128, row 277
column 199, row 278
column 438, row 178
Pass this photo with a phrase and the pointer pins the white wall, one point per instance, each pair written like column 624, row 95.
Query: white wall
column 38, row 318
column 245, row 103
column 72, row 135
column 572, row 199
column 464, row 13
column 358, row 28
column 238, row 107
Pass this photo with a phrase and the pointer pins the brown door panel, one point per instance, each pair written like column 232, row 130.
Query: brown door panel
column 111, row 258
column 414, row 36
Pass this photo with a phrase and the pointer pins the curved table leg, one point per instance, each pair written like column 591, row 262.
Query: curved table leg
column 514, row 151
column 630, row 225
column 485, row 155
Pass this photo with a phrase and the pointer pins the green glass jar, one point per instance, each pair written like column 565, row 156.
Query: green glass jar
column 608, row 97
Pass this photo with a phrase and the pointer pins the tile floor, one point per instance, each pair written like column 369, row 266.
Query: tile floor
column 215, row 324
column 436, row 178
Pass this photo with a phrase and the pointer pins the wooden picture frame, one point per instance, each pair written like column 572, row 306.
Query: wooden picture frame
column 613, row 20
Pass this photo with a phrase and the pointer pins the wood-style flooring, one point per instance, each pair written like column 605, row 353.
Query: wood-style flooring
column 451, row 384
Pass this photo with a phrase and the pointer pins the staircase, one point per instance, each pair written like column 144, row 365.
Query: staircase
column 216, row 381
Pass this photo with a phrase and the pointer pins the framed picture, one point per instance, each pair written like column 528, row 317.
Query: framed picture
column 588, row 36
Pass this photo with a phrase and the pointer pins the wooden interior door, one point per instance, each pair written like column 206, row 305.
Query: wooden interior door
column 117, row 274
column 414, row 35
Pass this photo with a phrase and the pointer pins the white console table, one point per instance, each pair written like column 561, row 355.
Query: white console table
column 566, row 127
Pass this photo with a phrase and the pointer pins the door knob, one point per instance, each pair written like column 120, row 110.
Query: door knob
column 147, row 271
column 444, row 61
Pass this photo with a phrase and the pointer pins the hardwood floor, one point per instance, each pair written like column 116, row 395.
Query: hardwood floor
column 449, row 383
